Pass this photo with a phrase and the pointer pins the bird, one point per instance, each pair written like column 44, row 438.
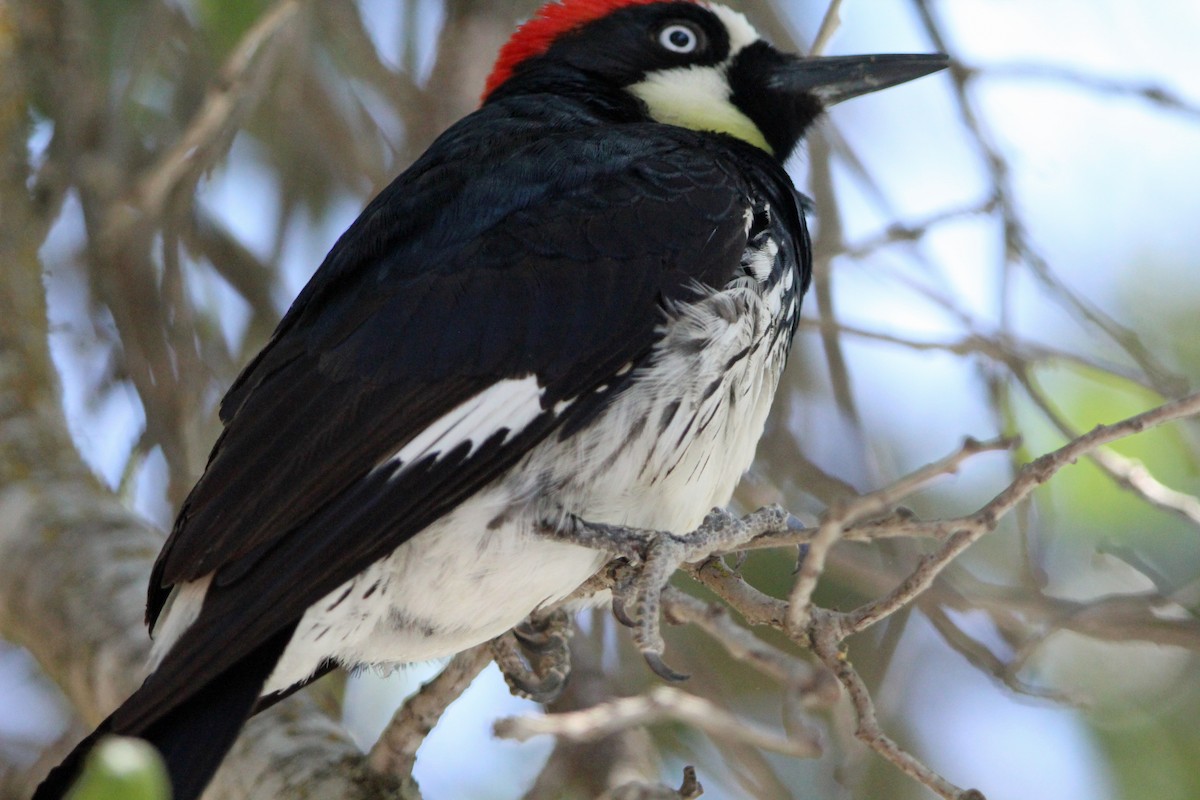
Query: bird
column 576, row 305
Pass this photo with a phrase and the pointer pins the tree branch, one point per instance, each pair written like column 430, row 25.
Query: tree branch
column 660, row 704
column 395, row 752
column 66, row 541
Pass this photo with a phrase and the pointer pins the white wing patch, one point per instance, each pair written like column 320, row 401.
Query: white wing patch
column 510, row 404
column 181, row 610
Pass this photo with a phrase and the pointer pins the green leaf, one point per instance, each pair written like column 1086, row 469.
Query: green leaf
column 121, row 768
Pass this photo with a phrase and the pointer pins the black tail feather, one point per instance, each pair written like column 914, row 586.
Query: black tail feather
column 58, row 782
column 192, row 735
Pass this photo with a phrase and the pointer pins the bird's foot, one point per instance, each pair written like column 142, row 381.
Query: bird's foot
column 534, row 657
column 651, row 557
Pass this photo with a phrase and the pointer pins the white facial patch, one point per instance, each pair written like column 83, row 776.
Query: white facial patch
column 698, row 97
column 741, row 32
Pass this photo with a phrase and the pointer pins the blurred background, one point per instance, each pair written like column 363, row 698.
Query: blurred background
column 1007, row 249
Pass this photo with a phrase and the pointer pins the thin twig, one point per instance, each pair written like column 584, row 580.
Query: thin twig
column 1150, row 92
column 1017, row 243
column 226, row 105
column 1034, row 474
column 836, row 521
column 1127, row 473
column 826, row 645
column 714, row 619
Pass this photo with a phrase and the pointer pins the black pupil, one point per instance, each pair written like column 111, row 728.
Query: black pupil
column 680, row 38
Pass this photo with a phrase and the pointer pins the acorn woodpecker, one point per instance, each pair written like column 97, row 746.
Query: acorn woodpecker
column 576, row 305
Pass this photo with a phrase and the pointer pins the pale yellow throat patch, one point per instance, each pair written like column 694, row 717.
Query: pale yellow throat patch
column 697, row 98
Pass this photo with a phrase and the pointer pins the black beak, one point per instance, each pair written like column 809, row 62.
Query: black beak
column 834, row 79
column 784, row 94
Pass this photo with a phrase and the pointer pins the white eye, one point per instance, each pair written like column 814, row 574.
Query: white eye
column 679, row 39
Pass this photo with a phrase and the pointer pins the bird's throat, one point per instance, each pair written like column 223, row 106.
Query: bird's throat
column 697, row 98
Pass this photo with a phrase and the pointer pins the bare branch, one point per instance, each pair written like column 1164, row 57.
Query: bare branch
column 969, row 529
column 396, row 750
column 829, row 26
column 1017, row 245
column 838, row 519
column 714, row 620
column 1127, row 473
column 1133, row 475
column 212, row 129
column 827, row 647
column 661, row 704
column 912, row 232
column 1150, row 92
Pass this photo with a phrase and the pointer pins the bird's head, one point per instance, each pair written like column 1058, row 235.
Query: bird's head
column 694, row 64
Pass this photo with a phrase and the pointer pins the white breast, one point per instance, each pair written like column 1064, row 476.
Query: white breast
column 678, row 441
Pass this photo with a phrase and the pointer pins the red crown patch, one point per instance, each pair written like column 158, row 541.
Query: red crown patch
column 551, row 21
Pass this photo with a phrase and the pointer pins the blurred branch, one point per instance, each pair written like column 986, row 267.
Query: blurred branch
column 349, row 33
column 1139, row 617
column 1152, row 93
column 473, row 27
column 59, row 529
column 915, row 231
column 829, row 26
column 660, row 704
column 208, row 136
column 828, row 241
column 65, row 541
column 1018, row 355
column 130, row 206
column 206, row 238
column 1132, row 474
column 1017, row 245
column 688, row 790
column 984, row 659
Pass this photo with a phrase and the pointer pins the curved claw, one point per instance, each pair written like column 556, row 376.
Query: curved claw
column 801, row 554
column 546, row 690
column 661, row 669
column 527, row 635
column 618, row 607
column 535, row 641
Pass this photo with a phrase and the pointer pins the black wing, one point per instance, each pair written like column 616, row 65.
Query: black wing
column 449, row 282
